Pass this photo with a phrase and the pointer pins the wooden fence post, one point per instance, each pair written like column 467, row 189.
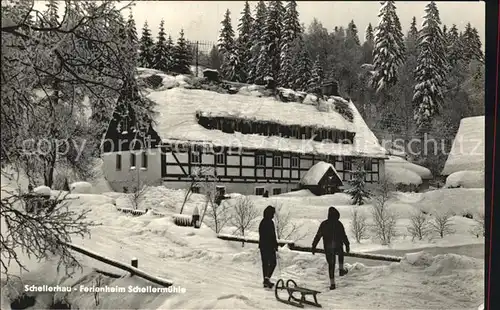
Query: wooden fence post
column 135, row 262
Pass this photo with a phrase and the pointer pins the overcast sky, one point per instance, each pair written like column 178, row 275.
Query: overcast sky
column 201, row 19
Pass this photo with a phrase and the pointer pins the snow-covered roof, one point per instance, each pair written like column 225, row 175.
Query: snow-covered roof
column 176, row 122
column 316, row 172
column 467, row 151
column 401, row 175
column 398, row 162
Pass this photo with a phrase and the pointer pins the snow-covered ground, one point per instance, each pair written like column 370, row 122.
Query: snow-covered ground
column 219, row 274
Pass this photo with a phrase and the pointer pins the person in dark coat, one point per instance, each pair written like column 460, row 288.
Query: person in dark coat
column 266, row 194
column 268, row 245
column 334, row 238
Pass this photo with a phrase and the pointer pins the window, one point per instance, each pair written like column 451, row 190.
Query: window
column 260, row 160
column 368, row 177
column 276, row 191
column 144, row 160
column 219, row 159
column 195, row 158
column 132, row 160
column 259, row 191
column 294, row 162
column 195, row 189
column 347, row 164
column 118, row 162
column 277, row 161
column 368, row 165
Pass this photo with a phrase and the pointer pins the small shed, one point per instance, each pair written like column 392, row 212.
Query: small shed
column 321, row 179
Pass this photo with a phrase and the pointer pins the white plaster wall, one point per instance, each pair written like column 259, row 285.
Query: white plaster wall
column 241, row 188
column 117, row 179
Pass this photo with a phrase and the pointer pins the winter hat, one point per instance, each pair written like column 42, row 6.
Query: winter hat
column 269, row 212
column 333, row 214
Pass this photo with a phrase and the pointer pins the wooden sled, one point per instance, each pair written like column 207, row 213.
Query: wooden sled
column 291, row 288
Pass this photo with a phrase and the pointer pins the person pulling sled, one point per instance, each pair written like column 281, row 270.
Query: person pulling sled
column 268, row 245
column 334, row 238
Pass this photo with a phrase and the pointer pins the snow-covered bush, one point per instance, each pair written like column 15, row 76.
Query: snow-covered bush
column 359, row 226
column 243, row 215
column 286, row 229
column 384, row 220
column 182, row 219
column 419, row 226
column 42, row 190
column 478, row 229
column 81, row 188
column 217, row 214
column 465, row 179
column 441, row 224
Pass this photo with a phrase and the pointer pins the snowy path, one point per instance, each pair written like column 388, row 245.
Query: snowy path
column 222, row 278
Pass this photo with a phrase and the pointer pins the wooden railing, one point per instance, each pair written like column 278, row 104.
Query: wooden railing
column 292, row 246
column 132, row 269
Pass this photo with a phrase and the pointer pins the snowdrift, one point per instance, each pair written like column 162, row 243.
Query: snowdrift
column 465, row 179
column 400, row 175
column 456, row 201
column 398, row 162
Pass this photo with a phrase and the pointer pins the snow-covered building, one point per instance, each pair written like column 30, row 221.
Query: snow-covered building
column 321, row 178
column 468, row 149
column 249, row 144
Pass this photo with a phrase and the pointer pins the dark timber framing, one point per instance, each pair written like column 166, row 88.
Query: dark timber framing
column 271, row 173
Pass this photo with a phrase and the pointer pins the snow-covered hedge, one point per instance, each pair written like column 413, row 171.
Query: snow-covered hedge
column 465, row 179
column 182, row 219
column 132, row 211
column 80, row 188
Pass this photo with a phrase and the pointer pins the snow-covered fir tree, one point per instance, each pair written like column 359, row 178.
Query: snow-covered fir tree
column 389, row 47
column 272, row 38
column 182, row 55
column 290, row 34
column 244, row 41
column 226, row 36
column 368, row 45
column 369, row 36
column 230, row 66
column 161, row 57
column 132, row 35
column 454, row 46
column 256, row 74
column 314, row 83
column 303, row 67
column 170, row 48
column 215, row 58
column 472, row 44
column 146, row 46
column 412, row 38
column 358, row 191
column 352, row 37
column 291, row 22
column 431, row 69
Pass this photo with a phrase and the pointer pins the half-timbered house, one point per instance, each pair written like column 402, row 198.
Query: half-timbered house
column 249, row 144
